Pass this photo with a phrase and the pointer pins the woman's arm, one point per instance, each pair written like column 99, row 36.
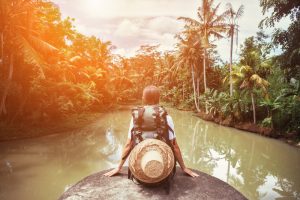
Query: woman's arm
column 178, row 157
column 126, row 151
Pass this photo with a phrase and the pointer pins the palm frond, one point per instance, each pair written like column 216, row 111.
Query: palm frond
column 199, row 14
column 25, row 30
column 41, row 45
column 246, row 69
column 225, row 80
column 240, row 12
column 219, row 19
column 190, row 21
column 208, row 3
column 229, row 7
column 75, row 59
column 213, row 13
column 216, row 34
column 245, row 84
column 262, row 83
column 30, row 54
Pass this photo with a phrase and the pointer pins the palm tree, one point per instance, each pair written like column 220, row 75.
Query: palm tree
column 232, row 17
column 209, row 24
column 188, row 56
column 164, row 70
column 19, row 40
column 250, row 82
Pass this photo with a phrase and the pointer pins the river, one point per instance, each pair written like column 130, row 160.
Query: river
column 42, row 168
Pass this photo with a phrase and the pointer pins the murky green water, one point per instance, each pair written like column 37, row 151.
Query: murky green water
column 42, row 168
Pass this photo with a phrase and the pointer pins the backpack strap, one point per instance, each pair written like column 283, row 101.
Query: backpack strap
column 136, row 131
column 160, row 123
column 169, row 128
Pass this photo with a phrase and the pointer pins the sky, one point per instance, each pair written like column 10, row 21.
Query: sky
column 128, row 24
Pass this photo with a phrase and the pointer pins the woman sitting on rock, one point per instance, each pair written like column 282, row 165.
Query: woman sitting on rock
column 151, row 121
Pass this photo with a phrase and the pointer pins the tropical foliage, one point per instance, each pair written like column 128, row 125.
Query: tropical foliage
column 49, row 70
column 232, row 18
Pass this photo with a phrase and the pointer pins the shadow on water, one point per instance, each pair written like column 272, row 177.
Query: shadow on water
column 42, row 168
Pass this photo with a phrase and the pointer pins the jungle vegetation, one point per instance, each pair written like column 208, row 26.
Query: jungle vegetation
column 49, row 70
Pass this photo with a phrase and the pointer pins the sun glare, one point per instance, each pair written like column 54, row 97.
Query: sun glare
column 97, row 7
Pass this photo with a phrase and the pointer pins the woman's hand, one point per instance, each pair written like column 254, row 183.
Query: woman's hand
column 126, row 151
column 179, row 159
column 190, row 172
column 112, row 172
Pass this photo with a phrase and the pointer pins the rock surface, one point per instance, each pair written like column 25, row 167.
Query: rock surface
column 97, row 186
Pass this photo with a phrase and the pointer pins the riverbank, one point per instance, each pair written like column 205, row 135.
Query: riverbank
column 66, row 124
column 69, row 123
column 290, row 138
column 77, row 121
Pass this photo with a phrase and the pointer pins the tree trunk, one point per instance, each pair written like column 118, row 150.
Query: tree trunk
column 2, row 48
column 183, row 94
column 194, row 87
column 253, row 108
column 204, row 70
column 198, row 90
column 6, row 88
column 204, row 78
column 198, row 84
column 230, row 65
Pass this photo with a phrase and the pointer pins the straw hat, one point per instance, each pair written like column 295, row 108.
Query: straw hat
column 151, row 161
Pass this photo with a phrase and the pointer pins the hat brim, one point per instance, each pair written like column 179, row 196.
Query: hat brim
column 140, row 150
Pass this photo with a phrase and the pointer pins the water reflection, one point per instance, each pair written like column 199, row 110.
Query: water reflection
column 260, row 168
column 112, row 147
column 9, row 166
column 43, row 168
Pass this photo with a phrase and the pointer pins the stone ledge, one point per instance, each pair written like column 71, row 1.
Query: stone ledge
column 97, row 186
